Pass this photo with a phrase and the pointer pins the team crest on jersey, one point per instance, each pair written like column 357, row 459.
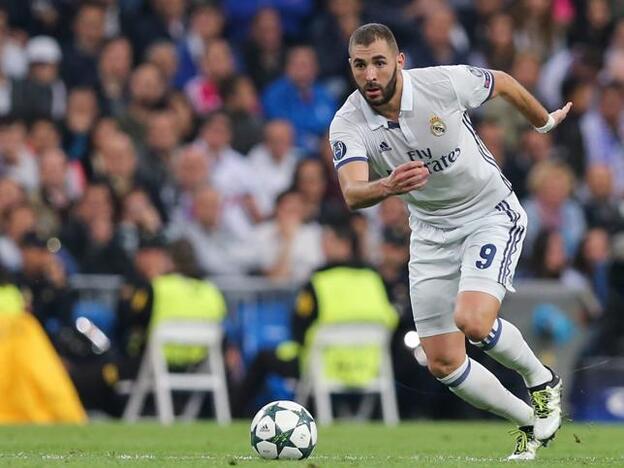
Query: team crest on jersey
column 437, row 126
column 339, row 149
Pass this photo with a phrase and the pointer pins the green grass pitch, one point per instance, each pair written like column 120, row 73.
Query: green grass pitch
column 411, row 444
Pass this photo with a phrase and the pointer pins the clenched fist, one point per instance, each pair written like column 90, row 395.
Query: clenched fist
column 409, row 176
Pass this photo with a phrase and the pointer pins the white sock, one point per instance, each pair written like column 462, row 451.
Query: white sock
column 478, row 386
column 506, row 344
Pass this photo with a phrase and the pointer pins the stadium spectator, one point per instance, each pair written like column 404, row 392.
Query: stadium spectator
column 16, row 159
column 190, row 171
column 219, row 251
column 300, row 98
column 242, row 105
column 164, row 55
column 311, row 182
column 162, row 140
column 229, row 173
column 118, row 166
column 11, row 194
column 603, row 209
column 439, row 45
column 535, row 27
column 165, row 19
column 569, row 137
column 79, row 121
column 79, row 66
column 139, row 220
column 13, row 62
column 43, row 282
column 114, row 68
column 41, row 93
column 91, row 222
column 19, row 220
column 594, row 26
column 206, row 24
column 288, row 249
column 551, row 208
column 593, row 261
column 602, row 131
column 549, row 259
column 60, row 185
column 147, row 94
column 264, row 51
column 498, row 49
column 216, row 67
column 186, row 123
column 273, row 164
column 43, row 135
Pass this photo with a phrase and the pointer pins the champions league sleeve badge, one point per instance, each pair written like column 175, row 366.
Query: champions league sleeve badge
column 437, row 126
column 339, row 149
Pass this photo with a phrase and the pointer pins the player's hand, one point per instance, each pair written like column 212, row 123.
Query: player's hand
column 409, row 176
column 560, row 114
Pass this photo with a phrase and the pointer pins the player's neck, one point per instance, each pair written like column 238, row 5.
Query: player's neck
column 392, row 108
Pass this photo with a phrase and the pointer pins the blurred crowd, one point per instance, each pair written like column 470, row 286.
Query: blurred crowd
column 205, row 122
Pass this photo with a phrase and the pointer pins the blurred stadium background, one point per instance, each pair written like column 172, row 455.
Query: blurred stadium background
column 129, row 127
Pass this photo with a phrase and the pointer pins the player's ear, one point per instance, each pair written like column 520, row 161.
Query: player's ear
column 401, row 59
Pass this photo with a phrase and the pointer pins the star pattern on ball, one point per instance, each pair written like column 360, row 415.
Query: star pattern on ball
column 271, row 411
column 282, row 439
column 304, row 417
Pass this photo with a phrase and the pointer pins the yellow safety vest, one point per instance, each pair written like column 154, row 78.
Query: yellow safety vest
column 177, row 297
column 350, row 295
column 11, row 300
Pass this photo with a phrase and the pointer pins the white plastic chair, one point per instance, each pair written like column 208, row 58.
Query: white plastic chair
column 154, row 375
column 314, row 382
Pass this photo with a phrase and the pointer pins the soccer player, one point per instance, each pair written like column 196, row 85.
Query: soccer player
column 412, row 128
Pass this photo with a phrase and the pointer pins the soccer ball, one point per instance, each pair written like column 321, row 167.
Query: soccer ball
column 284, row 430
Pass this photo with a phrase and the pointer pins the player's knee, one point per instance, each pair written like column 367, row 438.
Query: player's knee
column 474, row 325
column 442, row 366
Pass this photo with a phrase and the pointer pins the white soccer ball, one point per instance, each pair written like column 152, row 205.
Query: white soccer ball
column 283, row 429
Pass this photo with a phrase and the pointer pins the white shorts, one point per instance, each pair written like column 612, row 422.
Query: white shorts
column 479, row 256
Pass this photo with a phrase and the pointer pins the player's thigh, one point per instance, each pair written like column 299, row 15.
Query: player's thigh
column 492, row 249
column 434, row 280
column 445, row 352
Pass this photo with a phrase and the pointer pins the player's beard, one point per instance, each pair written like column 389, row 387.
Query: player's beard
column 386, row 92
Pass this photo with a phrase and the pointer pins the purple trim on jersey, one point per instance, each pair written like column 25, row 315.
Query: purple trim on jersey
column 355, row 158
column 491, row 75
column 483, row 150
column 515, row 235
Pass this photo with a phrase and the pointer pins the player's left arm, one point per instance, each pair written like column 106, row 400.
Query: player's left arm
column 518, row 96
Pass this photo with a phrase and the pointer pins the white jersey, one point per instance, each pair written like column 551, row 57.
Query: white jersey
column 465, row 182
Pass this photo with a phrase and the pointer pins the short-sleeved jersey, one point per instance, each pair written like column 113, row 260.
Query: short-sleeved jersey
column 465, row 182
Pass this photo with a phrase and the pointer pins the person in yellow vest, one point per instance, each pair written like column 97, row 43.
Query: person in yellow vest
column 168, row 288
column 344, row 290
column 166, row 285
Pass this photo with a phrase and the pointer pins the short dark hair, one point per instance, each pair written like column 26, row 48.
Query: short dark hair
column 368, row 33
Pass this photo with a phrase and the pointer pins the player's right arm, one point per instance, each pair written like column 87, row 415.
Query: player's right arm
column 351, row 162
column 359, row 192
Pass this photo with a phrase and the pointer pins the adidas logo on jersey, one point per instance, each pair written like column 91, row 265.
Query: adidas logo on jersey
column 383, row 146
